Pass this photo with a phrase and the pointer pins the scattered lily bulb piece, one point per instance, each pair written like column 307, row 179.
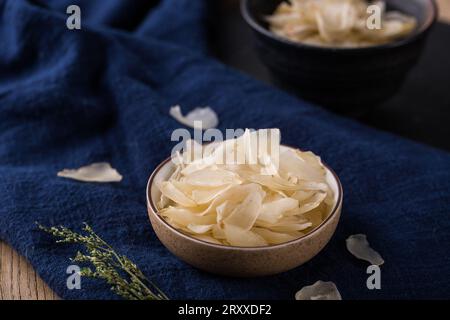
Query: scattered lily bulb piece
column 359, row 247
column 319, row 291
column 338, row 23
column 96, row 172
column 245, row 204
column 206, row 116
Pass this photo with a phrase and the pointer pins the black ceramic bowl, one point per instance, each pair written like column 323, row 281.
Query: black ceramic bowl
column 344, row 79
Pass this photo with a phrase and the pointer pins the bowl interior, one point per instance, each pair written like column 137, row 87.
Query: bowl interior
column 164, row 171
column 425, row 12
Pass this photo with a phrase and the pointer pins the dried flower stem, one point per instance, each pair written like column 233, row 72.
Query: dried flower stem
column 125, row 278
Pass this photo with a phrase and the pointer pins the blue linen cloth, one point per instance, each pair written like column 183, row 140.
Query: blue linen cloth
column 73, row 97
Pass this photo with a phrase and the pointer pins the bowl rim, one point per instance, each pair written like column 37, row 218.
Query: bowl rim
column 256, row 26
column 154, row 211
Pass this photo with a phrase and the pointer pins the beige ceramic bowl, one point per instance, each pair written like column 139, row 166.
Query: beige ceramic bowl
column 241, row 261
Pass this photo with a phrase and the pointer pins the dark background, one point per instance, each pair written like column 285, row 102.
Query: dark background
column 420, row 111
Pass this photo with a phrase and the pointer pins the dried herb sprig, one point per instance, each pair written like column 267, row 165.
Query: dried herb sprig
column 125, row 278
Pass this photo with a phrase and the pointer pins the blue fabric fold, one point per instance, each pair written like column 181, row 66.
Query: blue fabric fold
column 70, row 98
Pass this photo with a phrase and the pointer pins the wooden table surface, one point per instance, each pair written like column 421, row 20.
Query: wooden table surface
column 18, row 279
